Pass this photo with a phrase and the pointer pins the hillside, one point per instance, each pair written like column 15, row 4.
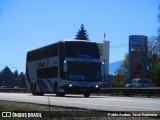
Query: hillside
column 113, row 66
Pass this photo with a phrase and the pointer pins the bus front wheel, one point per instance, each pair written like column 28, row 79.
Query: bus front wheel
column 59, row 94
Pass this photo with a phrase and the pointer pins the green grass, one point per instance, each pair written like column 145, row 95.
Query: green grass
column 4, row 108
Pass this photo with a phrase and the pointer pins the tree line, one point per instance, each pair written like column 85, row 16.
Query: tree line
column 9, row 79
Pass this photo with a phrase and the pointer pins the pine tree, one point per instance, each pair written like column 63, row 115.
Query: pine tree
column 82, row 34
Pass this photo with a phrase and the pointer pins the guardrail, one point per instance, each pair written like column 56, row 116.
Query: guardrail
column 149, row 91
column 12, row 89
column 132, row 91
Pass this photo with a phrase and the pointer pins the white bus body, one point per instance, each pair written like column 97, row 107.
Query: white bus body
column 64, row 67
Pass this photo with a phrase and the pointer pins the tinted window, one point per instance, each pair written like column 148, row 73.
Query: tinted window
column 61, row 59
column 83, row 71
column 81, row 50
column 42, row 53
column 51, row 72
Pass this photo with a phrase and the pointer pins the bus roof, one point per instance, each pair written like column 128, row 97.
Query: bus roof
column 74, row 40
column 65, row 40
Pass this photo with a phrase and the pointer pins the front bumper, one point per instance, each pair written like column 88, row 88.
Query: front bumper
column 77, row 89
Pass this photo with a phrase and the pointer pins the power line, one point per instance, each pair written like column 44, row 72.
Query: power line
column 119, row 46
column 15, row 62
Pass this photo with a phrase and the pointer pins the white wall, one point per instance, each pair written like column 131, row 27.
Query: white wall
column 105, row 57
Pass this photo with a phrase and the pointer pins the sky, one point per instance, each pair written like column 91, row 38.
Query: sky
column 29, row 24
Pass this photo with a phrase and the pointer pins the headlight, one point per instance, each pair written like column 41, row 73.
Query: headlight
column 70, row 85
column 96, row 86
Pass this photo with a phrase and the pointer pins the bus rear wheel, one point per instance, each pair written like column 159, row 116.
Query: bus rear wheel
column 86, row 94
column 33, row 89
column 34, row 92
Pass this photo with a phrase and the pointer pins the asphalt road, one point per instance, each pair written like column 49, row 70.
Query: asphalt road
column 105, row 103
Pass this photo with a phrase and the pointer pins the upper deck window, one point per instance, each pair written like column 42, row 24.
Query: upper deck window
column 81, row 50
column 43, row 53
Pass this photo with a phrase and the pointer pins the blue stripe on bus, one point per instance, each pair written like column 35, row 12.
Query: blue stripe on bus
column 50, row 84
column 61, row 87
column 43, row 85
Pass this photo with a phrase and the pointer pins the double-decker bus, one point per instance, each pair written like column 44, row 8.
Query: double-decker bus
column 64, row 67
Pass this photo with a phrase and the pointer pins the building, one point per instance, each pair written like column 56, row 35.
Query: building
column 104, row 55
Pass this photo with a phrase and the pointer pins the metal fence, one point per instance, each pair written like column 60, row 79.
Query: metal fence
column 16, row 90
column 147, row 91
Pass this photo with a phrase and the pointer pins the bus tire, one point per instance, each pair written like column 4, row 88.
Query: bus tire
column 56, row 89
column 86, row 94
column 59, row 94
column 33, row 89
column 34, row 92
column 41, row 93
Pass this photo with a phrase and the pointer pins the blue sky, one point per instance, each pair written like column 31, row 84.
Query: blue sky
column 29, row 24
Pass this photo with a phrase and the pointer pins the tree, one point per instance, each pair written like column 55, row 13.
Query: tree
column 153, row 57
column 7, row 77
column 82, row 34
column 7, row 71
column 22, row 80
column 153, row 64
column 121, row 73
column 153, row 60
column 16, row 74
column 159, row 23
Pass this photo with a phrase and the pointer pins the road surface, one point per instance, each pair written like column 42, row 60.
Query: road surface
column 104, row 103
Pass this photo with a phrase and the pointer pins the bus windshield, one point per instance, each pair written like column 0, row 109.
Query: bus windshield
column 81, row 50
column 81, row 71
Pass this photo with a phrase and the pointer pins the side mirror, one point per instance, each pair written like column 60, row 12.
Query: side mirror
column 65, row 66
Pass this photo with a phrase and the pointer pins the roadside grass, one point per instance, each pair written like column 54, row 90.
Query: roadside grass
column 4, row 108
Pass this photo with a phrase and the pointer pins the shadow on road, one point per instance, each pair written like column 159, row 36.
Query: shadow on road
column 76, row 96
